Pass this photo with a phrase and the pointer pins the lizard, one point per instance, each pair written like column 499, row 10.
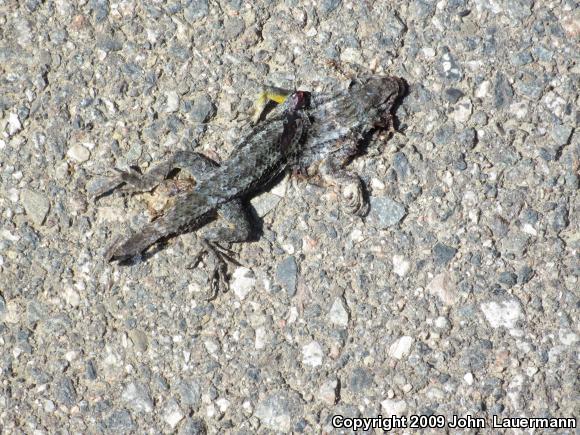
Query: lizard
column 219, row 190
column 340, row 122
column 308, row 133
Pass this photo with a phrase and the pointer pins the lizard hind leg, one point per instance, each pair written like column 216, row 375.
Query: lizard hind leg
column 232, row 225
column 195, row 164
column 132, row 181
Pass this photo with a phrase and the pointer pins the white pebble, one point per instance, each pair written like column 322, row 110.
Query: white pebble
column 260, row 340
column 312, row 354
column 462, row 110
column 78, row 153
column 444, row 288
column 401, row 265
column 505, row 313
column 338, row 314
column 172, row 414
column 394, row 407
column 14, row 125
column 243, row 281
column 401, row 347
column 172, row 102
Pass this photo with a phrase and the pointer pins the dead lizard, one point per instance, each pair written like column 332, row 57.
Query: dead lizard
column 307, row 133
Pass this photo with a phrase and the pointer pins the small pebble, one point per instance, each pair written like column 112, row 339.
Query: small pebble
column 172, row 414
column 504, row 313
column 36, row 205
column 328, row 392
column 394, row 407
column 312, row 354
column 401, row 347
column 243, row 282
column 338, row 314
column 78, row 153
column 385, row 212
column 444, row 288
column 137, row 397
column 286, row 275
column 509, row 279
column 401, row 265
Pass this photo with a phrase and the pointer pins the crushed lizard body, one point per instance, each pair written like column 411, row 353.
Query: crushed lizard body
column 306, row 133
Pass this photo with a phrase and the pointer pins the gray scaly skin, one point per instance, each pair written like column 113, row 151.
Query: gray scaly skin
column 339, row 122
column 260, row 157
column 321, row 139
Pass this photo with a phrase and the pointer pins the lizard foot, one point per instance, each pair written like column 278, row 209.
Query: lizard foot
column 216, row 261
column 123, row 181
column 109, row 184
column 136, row 182
column 356, row 202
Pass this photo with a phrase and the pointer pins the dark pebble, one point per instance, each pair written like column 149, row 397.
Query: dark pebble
column 233, row 27
column 286, row 274
column 386, row 212
column 401, row 165
column 503, row 91
column 90, row 370
column 460, row 163
column 32, row 5
column 189, row 393
column 548, row 154
column 202, row 109
column 195, row 9
column 521, row 59
column 453, row 95
column 467, row 138
column 443, row 135
column 174, row 8
column 328, row 6
column 120, row 421
column 360, row 380
column 560, row 134
column 525, row 274
column 560, row 220
column 194, row 426
column 443, row 254
column 100, row 9
column 65, row 392
column 529, row 216
column 509, row 279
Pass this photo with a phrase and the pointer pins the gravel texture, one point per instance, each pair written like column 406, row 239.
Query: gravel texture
column 456, row 295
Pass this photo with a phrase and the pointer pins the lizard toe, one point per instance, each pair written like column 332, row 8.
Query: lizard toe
column 355, row 199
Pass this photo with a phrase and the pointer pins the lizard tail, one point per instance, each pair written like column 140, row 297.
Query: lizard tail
column 184, row 215
column 124, row 249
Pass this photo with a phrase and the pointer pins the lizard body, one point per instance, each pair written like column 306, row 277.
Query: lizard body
column 307, row 132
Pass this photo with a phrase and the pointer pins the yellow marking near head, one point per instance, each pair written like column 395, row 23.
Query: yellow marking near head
column 276, row 95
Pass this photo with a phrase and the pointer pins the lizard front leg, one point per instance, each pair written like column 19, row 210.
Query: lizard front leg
column 352, row 188
column 231, row 226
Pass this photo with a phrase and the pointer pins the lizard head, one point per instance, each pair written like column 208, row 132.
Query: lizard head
column 377, row 92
